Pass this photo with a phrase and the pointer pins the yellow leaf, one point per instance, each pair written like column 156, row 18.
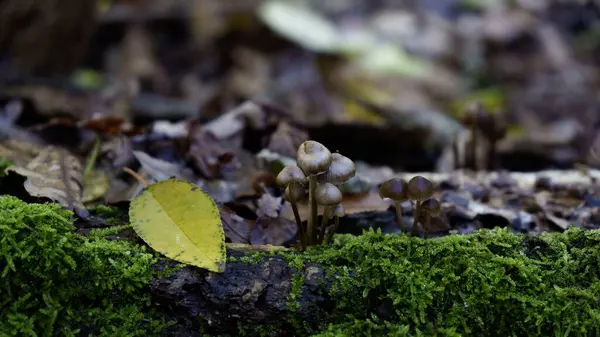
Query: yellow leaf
column 182, row 222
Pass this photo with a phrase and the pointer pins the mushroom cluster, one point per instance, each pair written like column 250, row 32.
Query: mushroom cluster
column 322, row 171
column 417, row 189
column 491, row 126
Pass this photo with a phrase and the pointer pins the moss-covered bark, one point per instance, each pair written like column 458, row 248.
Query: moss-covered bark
column 491, row 283
column 55, row 282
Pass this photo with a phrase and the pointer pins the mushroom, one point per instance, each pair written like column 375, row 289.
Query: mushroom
column 419, row 190
column 397, row 190
column 337, row 211
column 314, row 159
column 431, row 208
column 326, row 194
column 471, row 119
column 340, row 170
column 292, row 178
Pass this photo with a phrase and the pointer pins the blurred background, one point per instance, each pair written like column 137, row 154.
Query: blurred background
column 383, row 81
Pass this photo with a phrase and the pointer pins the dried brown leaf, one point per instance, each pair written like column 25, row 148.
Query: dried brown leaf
column 57, row 175
column 286, row 139
column 273, row 231
column 352, row 204
column 237, row 229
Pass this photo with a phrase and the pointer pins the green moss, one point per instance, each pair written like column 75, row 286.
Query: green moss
column 55, row 282
column 491, row 283
column 111, row 214
column 4, row 164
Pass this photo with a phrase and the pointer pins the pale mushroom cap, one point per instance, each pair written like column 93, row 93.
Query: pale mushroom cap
column 299, row 193
column 432, row 206
column 327, row 194
column 313, row 157
column 290, row 173
column 340, row 170
column 420, row 189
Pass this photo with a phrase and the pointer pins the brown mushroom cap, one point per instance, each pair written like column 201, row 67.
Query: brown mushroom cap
column 327, row 194
column 395, row 189
column 290, row 173
column 337, row 210
column 432, row 206
column 340, row 170
column 299, row 193
column 313, row 158
column 420, row 189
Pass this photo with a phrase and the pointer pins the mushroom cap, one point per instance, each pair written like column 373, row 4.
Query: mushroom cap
column 420, row 189
column 327, row 194
column 337, row 210
column 340, row 170
column 395, row 189
column 432, row 206
column 290, row 173
column 313, row 157
column 298, row 190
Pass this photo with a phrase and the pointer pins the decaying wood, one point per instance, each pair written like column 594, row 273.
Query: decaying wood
column 257, row 293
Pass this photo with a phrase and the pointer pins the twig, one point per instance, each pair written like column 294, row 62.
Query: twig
column 137, row 177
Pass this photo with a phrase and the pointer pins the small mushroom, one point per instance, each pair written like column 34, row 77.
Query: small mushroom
column 313, row 158
column 397, row 190
column 327, row 194
column 471, row 119
column 338, row 212
column 431, row 207
column 340, row 170
column 293, row 178
column 289, row 174
column 298, row 193
column 419, row 190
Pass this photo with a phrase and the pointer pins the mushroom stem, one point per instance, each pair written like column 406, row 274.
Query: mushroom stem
column 399, row 217
column 312, row 219
column 427, row 220
column 473, row 149
column 333, row 230
column 297, row 217
column 324, row 224
column 416, row 210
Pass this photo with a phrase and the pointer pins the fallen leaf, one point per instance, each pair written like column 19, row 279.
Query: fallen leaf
column 237, row 229
column 182, row 222
column 273, row 231
column 268, row 206
column 301, row 25
column 159, row 169
column 95, row 185
column 19, row 152
column 286, row 139
column 208, row 154
column 57, row 175
column 352, row 204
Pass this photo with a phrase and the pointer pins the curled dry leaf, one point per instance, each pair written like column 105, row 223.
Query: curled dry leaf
column 57, row 175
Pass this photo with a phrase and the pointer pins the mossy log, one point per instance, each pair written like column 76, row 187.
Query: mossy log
column 491, row 283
